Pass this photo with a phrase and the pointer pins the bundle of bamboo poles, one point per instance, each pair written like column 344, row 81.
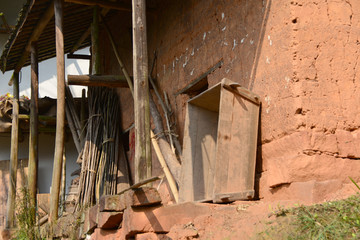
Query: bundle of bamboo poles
column 99, row 155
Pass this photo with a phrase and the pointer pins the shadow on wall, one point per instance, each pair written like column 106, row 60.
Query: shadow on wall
column 261, row 33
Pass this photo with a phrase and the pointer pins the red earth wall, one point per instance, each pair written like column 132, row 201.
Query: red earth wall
column 301, row 57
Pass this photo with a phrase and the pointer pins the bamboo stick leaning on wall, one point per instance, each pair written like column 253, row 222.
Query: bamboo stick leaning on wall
column 10, row 207
column 60, row 112
column 72, row 118
column 169, row 157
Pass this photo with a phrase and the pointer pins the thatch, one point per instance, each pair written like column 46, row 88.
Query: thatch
column 77, row 19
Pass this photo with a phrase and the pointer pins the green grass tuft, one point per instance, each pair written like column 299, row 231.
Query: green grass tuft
column 330, row 220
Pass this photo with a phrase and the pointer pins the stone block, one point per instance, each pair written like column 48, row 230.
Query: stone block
column 133, row 198
column 106, row 234
column 91, row 219
column 109, row 203
column 161, row 219
column 109, row 220
column 143, row 197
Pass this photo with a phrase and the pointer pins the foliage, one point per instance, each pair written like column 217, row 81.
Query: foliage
column 330, row 220
column 26, row 217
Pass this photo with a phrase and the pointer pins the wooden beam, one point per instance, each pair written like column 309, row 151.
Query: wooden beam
column 60, row 112
column 98, row 80
column 103, row 4
column 78, row 56
column 10, row 208
column 33, row 138
column 141, row 92
column 39, row 28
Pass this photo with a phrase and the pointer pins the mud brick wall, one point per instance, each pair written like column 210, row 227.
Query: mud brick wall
column 300, row 56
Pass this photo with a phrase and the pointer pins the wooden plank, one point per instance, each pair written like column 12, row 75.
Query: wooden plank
column 237, row 142
column 98, row 80
column 141, row 92
column 198, row 167
column 10, row 208
column 34, row 113
column 103, row 4
column 60, row 115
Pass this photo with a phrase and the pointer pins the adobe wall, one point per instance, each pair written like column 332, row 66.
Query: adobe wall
column 299, row 56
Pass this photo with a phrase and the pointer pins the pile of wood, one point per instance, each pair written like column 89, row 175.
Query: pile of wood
column 99, row 156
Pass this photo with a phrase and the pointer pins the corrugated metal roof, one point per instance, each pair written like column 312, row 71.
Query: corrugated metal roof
column 77, row 19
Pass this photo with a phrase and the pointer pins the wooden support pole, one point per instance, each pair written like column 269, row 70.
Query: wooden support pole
column 103, row 4
column 60, row 114
column 10, row 208
column 141, row 92
column 98, row 80
column 33, row 139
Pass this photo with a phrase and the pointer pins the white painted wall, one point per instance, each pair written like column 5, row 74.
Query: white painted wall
column 46, row 156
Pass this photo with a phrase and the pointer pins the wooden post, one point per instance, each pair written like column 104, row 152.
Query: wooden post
column 141, row 92
column 60, row 113
column 33, row 140
column 10, row 208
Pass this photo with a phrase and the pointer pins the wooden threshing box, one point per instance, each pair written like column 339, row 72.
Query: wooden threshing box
column 220, row 140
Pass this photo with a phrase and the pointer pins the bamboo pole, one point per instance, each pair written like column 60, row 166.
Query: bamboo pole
column 141, row 92
column 82, row 118
column 34, row 112
column 60, row 120
column 63, row 184
column 165, row 168
column 10, row 208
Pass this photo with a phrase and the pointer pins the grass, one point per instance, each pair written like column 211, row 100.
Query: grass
column 26, row 217
column 330, row 220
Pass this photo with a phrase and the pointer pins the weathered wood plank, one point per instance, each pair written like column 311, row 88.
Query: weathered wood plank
column 200, row 135
column 141, row 92
column 237, row 142
column 60, row 115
